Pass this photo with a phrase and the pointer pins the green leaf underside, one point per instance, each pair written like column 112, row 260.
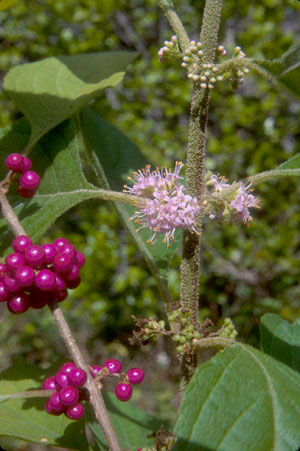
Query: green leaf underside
column 28, row 420
column 132, row 425
column 281, row 339
column 285, row 70
column 118, row 157
column 52, row 90
column 56, row 159
column 242, row 399
column 6, row 4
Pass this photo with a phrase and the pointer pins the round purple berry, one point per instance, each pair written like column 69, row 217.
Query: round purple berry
column 4, row 295
column 72, row 284
column 26, row 164
column 25, row 276
column 135, row 375
column 75, row 412
column 113, row 365
column 95, row 370
column 39, row 299
column 10, row 284
column 60, row 283
column 62, row 263
column 60, row 242
column 27, row 193
column 14, row 261
column 14, row 162
column 19, row 303
column 49, row 383
column 61, row 380
column 30, row 180
column 123, row 391
column 68, row 396
column 77, row 377
column 50, row 252
column 61, row 295
column 34, row 256
column 55, row 403
column 21, row 243
column 45, row 280
column 72, row 274
column 68, row 249
column 80, row 259
column 49, row 409
column 67, row 367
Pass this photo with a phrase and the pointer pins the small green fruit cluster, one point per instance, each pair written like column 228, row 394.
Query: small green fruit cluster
column 228, row 330
column 153, row 330
column 187, row 333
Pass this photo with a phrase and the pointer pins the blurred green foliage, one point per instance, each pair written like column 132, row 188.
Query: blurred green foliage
column 246, row 271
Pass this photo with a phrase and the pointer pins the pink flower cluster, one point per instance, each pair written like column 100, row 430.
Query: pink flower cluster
column 164, row 208
column 238, row 203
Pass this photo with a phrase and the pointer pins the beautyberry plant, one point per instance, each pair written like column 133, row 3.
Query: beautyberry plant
column 240, row 398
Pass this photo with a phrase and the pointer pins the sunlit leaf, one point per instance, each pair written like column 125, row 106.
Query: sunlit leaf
column 241, row 399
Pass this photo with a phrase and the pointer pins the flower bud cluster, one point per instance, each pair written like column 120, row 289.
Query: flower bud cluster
column 206, row 75
column 67, row 392
column 33, row 276
column 187, row 333
column 230, row 201
column 228, row 330
column 29, row 181
column 165, row 208
column 113, row 367
column 169, row 50
column 237, row 77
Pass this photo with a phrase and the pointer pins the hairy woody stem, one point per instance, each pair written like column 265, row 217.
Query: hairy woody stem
column 195, row 181
column 175, row 23
column 9, row 215
column 96, row 398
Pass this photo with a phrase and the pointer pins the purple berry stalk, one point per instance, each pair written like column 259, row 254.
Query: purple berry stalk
column 96, row 398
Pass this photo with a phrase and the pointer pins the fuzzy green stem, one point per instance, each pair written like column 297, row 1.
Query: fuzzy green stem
column 175, row 23
column 195, row 181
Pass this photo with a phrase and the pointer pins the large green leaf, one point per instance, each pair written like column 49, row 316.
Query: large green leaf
column 133, row 426
column 281, row 339
column 242, row 399
column 116, row 157
column 63, row 184
column 51, row 90
column 28, row 420
column 284, row 70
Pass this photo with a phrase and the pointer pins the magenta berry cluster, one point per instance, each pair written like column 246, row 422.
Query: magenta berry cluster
column 123, row 390
column 33, row 276
column 67, row 395
column 29, row 180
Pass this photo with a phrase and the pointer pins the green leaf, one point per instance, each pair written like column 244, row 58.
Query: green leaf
column 63, row 184
column 281, row 339
column 284, row 70
column 242, row 399
column 52, row 90
column 6, row 4
column 132, row 425
column 115, row 157
column 289, row 168
column 292, row 163
column 28, row 420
